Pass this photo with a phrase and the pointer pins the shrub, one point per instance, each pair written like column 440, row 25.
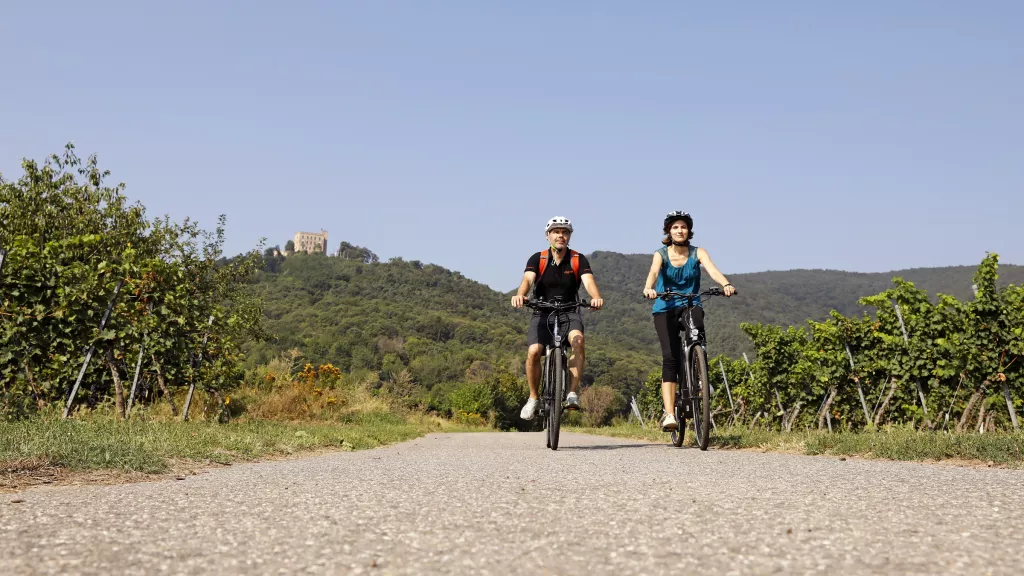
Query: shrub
column 472, row 397
column 470, row 419
column 438, row 399
column 510, row 393
column 600, row 404
column 649, row 400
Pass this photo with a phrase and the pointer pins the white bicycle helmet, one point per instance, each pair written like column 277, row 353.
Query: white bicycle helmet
column 558, row 222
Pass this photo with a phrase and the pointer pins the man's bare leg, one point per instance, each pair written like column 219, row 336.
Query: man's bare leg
column 576, row 360
column 533, row 356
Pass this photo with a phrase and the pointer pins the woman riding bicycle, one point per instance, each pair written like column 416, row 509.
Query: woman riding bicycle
column 676, row 267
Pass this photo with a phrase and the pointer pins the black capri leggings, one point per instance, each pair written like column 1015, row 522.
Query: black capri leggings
column 667, row 325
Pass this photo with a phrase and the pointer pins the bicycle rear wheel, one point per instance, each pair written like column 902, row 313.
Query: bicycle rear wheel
column 700, row 394
column 558, row 373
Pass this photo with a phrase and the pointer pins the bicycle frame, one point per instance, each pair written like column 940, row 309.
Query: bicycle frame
column 689, row 345
column 689, row 399
column 554, row 352
column 690, row 301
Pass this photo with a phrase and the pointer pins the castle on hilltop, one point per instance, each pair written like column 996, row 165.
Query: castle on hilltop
column 310, row 242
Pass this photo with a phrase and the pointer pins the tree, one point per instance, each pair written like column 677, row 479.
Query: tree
column 348, row 251
column 272, row 260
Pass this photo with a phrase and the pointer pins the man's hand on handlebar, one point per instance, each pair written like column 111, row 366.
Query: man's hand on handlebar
column 596, row 303
column 517, row 301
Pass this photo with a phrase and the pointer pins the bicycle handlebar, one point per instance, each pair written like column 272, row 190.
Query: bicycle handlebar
column 556, row 306
column 683, row 296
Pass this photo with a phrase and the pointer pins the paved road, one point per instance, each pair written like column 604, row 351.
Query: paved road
column 503, row 504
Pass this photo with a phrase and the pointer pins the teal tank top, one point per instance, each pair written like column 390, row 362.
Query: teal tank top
column 685, row 279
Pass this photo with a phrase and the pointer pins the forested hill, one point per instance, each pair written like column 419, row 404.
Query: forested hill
column 428, row 322
column 435, row 324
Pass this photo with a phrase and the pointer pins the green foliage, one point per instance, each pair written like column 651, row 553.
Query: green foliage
column 950, row 361
column 498, row 396
column 149, row 446
column 272, row 259
column 511, row 392
column 348, row 251
column 896, row 443
column 648, row 399
column 963, row 357
column 433, row 322
column 736, row 372
column 72, row 240
column 472, row 398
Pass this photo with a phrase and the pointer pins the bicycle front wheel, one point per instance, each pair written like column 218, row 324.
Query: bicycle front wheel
column 700, row 394
column 545, row 407
column 558, row 380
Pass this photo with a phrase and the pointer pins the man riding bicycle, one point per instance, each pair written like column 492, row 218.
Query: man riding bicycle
column 560, row 271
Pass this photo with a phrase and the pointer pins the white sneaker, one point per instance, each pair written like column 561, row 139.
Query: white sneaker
column 572, row 401
column 669, row 422
column 530, row 409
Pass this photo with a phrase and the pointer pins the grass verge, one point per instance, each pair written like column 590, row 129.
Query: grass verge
column 47, row 450
column 890, row 443
column 282, row 418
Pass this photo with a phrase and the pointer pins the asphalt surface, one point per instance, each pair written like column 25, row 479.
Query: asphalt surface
column 503, row 504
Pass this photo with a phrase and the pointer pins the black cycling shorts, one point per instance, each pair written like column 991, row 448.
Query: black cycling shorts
column 542, row 327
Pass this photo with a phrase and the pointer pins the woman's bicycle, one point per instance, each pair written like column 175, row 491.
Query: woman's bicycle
column 555, row 365
column 693, row 397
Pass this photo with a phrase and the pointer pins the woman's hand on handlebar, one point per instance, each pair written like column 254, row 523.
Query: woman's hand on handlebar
column 728, row 290
column 650, row 293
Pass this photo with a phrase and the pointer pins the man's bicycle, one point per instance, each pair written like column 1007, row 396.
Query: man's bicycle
column 555, row 365
column 693, row 397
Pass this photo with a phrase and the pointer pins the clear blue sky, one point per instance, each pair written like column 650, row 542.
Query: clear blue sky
column 867, row 136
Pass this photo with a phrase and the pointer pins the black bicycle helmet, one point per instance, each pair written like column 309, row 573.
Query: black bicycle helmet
column 677, row 215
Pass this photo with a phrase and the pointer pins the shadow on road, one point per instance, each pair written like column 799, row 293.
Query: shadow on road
column 608, row 446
